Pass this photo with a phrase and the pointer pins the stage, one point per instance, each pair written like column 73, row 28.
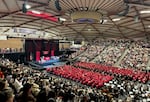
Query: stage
column 48, row 63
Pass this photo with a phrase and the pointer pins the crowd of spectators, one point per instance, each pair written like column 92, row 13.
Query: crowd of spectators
column 112, row 53
column 83, row 76
column 19, row 83
column 83, row 82
column 137, row 56
column 7, row 63
column 127, row 72
column 11, row 50
column 128, row 91
column 93, row 50
column 89, row 53
column 77, row 53
column 23, row 84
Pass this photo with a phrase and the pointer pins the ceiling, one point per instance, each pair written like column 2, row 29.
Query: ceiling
column 133, row 24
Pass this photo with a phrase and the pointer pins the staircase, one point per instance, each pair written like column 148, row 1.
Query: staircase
column 98, row 54
column 90, row 60
column 78, row 55
column 148, row 65
column 120, row 59
column 95, row 57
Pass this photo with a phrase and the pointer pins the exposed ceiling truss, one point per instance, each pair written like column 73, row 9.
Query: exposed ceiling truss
column 131, row 25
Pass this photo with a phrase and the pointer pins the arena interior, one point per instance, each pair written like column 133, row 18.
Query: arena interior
column 74, row 50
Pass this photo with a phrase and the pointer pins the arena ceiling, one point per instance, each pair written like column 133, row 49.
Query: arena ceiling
column 119, row 19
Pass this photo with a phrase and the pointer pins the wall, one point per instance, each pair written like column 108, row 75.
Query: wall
column 64, row 45
column 17, row 55
column 11, row 43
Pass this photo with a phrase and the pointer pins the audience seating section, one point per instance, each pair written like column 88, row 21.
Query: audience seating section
column 134, row 74
column 83, row 76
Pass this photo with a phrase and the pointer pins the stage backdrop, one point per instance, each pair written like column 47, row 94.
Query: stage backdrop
column 35, row 48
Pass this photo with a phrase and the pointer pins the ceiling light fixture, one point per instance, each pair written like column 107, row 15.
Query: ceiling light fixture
column 27, row 6
column 145, row 11
column 116, row 19
column 89, row 29
column 36, row 12
column 62, row 19
column 104, row 21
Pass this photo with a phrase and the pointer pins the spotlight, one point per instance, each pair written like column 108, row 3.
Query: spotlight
column 24, row 9
column 28, row 6
column 116, row 19
column 102, row 21
column 62, row 19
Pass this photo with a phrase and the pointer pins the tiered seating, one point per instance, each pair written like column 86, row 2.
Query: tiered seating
column 89, row 53
column 135, row 75
column 137, row 57
column 64, row 90
column 111, row 54
column 7, row 63
column 82, row 49
column 84, row 76
column 93, row 50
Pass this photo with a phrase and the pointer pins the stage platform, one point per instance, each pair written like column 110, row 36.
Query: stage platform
column 46, row 64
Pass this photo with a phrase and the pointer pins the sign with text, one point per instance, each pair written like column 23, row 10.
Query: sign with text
column 24, row 30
